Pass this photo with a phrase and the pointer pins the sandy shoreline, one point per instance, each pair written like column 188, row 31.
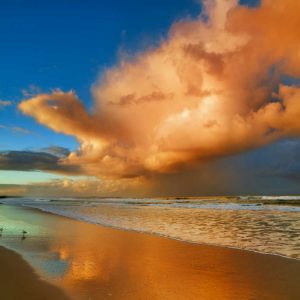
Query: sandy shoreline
column 94, row 262
column 19, row 281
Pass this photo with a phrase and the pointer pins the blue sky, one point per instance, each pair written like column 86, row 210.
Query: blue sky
column 66, row 44
column 62, row 44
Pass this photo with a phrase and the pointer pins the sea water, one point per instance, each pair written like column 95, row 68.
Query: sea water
column 266, row 224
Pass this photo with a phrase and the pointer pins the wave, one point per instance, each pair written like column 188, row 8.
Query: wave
column 268, row 203
column 211, row 243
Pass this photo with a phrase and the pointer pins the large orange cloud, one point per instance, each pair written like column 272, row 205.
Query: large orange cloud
column 213, row 88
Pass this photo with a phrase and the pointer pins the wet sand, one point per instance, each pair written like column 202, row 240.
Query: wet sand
column 94, row 262
column 18, row 280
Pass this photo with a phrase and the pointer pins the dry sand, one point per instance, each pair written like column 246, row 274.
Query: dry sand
column 18, row 281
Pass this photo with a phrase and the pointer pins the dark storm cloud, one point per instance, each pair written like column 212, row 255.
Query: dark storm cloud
column 32, row 161
column 274, row 169
column 284, row 160
column 57, row 151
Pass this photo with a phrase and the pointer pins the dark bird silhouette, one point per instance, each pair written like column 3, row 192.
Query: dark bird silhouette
column 24, row 232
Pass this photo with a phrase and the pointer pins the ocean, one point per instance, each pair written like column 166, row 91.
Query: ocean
column 266, row 224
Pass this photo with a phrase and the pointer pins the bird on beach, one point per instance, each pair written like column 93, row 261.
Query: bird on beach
column 24, row 232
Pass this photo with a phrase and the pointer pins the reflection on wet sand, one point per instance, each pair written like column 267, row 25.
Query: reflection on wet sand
column 92, row 262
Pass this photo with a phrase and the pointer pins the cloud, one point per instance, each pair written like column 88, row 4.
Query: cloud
column 214, row 88
column 32, row 161
column 57, row 151
column 4, row 103
column 83, row 187
column 21, row 130
column 87, row 187
column 12, row 190
column 16, row 129
column 273, row 169
column 31, row 91
column 282, row 161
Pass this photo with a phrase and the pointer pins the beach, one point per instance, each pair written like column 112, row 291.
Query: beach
column 88, row 261
column 18, row 280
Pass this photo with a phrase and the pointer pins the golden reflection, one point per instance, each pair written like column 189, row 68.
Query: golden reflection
column 104, row 262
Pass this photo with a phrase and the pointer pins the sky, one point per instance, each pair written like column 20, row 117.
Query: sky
column 149, row 98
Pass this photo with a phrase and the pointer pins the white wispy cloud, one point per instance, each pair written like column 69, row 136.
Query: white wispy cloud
column 21, row 130
column 4, row 103
column 16, row 129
